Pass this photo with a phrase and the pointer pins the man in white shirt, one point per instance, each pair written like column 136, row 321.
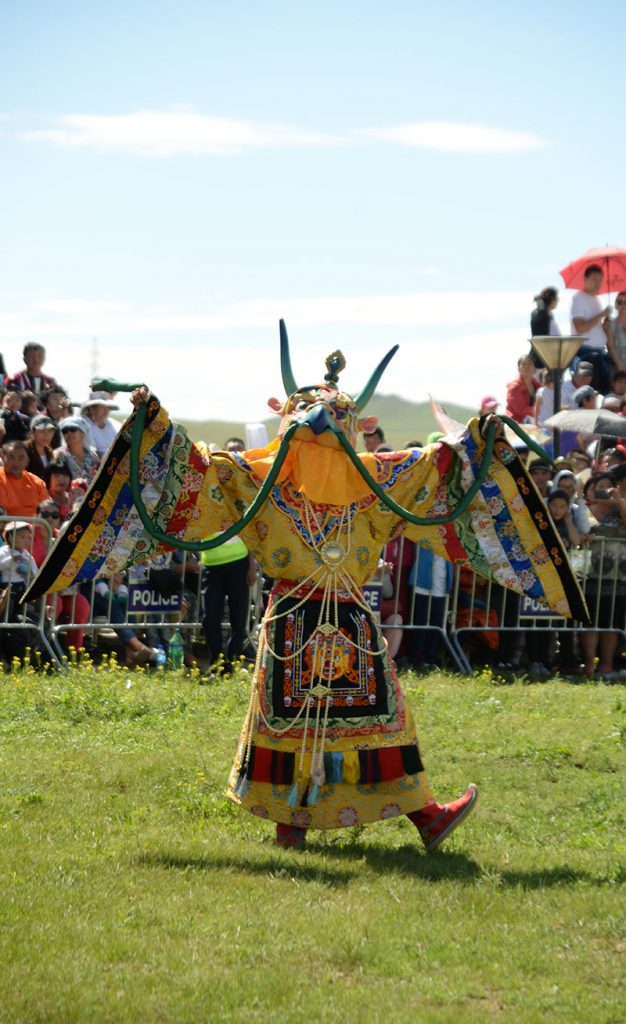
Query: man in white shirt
column 588, row 316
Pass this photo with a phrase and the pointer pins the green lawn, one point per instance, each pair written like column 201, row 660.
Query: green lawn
column 131, row 890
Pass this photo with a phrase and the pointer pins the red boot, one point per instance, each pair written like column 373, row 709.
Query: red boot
column 434, row 822
column 290, row 836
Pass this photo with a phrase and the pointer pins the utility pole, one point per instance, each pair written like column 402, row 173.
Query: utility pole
column 94, row 358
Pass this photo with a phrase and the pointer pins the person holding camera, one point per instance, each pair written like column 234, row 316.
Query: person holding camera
column 14, row 421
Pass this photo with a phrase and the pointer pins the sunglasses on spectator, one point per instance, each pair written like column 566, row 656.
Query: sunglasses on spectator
column 69, row 430
column 49, row 515
column 620, row 302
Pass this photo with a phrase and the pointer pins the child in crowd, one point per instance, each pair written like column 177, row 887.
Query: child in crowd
column 17, row 569
column 565, row 480
column 57, row 479
column 559, row 508
column 30, row 405
column 581, row 464
column 78, row 490
column 17, row 565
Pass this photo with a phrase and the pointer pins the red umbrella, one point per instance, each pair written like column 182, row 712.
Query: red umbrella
column 612, row 261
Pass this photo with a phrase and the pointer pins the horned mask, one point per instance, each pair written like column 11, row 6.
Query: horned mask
column 324, row 408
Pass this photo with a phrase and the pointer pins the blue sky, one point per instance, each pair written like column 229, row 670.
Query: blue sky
column 177, row 176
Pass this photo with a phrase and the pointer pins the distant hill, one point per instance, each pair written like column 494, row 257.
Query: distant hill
column 404, row 421
column 401, row 420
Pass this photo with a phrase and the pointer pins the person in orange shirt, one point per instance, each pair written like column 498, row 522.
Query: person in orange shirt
column 20, row 491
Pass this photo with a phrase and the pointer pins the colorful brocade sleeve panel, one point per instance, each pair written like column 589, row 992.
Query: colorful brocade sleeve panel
column 188, row 492
column 505, row 534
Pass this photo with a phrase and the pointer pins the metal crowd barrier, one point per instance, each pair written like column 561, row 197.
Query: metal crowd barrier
column 23, row 628
column 482, row 607
column 399, row 606
column 473, row 607
column 145, row 611
column 462, row 607
column 133, row 602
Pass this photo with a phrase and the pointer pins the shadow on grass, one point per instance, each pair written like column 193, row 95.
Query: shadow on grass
column 408, row 861
column 348, row 863
column 544, row 878
column 288, row 863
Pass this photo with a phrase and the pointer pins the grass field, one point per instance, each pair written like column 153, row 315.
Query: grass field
column 133, row 891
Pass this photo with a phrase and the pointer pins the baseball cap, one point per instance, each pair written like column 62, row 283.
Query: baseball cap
column 581, row 394
column 42, row 423
column 72, row 423
column 584, row 367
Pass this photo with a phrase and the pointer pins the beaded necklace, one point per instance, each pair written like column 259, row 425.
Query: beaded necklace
column 333, row 580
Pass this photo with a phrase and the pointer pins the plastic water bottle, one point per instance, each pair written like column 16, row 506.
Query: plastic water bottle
column 176, row 652
column 160, row 658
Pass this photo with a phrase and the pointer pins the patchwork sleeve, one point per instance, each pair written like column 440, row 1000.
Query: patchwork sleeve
column 505, row 534
column 189, row 493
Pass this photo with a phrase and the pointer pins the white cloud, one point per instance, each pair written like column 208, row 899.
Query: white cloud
column 458, row 368
column 80, row 307
column 75, row 317
column 457, row 345
column 162, row 133
column 453, row 137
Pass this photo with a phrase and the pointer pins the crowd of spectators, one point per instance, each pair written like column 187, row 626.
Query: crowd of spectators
column 591, row 473
column 586, row 499
column 584, row 492
column 52, row 448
